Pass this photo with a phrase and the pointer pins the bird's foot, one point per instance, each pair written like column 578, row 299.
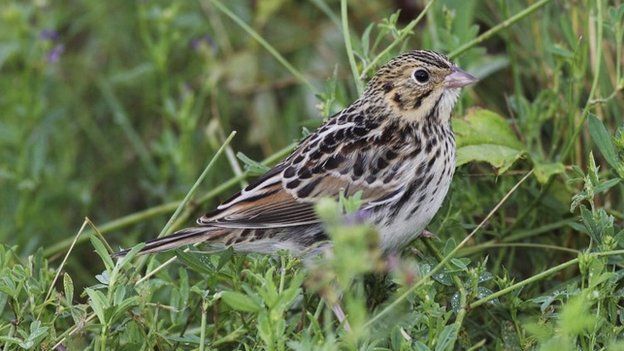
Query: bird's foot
column 342, row 318
column 428, row 235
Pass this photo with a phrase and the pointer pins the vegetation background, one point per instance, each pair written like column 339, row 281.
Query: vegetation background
column 111, row 110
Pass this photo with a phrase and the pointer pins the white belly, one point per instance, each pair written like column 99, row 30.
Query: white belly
column 415, row 215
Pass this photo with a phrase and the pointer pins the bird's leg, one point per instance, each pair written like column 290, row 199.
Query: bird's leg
column 339, row 313
column 332, row 298
column 425, row 234
column 428, row 235
column 392, row 261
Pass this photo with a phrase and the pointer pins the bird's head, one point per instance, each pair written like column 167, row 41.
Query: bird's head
column 419, row 85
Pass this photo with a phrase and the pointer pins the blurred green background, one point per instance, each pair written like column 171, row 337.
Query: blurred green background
column 109, row 108
column 113, row 107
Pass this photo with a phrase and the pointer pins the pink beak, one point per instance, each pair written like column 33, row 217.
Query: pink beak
column 459, row 78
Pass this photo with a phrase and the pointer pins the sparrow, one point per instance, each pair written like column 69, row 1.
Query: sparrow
column 394, row 145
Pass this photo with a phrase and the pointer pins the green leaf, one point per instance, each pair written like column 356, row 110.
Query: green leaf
column 37, row 333
column 446, row 338
column 606, row 185
column 366, row 38
column 575, row 316
column 3, row 302
column 449, row 246
column 602, row 139
column 233, row 336
column 485, row 136
column 420, row 346
column 253, row 167
column 225, row 256
column 461, row 263
column 240, row 302
column 8, row 286
column 482, row 126
column 119, row 295
column 123, row 307
column 543, row 171
column 500, row 157
column 130, row 255
column 541, row 331
column 264, row 330
column 98, row 303
column 196, row 262
column 289, row 295
column 352, row 203
column 9, row 339
column 68, row 286
column 100, row 249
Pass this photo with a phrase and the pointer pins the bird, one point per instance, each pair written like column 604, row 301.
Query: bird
column 394, row 146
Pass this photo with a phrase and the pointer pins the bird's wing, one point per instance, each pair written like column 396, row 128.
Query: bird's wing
column 338, row 157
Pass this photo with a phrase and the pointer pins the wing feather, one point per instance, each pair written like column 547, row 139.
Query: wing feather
column 322, row 166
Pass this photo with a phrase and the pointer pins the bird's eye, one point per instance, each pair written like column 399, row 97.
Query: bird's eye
column 421, row 76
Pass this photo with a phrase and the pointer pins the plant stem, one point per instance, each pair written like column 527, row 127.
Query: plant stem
column 103, row 338
column 202, row 335
column 539, row 276
column 121, row 118
column 73, row 330
column 533, row 232
column 346, row 35
column 195, row 186
column 322, row 5
column 524, row 282
column 60, row 268
column 506, row 23
column 257, row 37
column 507, row 240
column 463, row 295
column 486, row 246
column 403, row 34
column 592, row 90
column 189, row 196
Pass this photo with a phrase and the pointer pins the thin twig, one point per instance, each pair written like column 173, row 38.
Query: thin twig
column 184, row 202
column 523, row 283
column 73, row 330
column 486, row 246
column 60, row 267
column 157, row 269
column 539, row 276
column 195, row 186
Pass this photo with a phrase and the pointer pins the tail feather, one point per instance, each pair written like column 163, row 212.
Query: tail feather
column 180, row 238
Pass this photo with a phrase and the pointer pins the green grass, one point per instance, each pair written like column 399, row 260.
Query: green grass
column 119, row 112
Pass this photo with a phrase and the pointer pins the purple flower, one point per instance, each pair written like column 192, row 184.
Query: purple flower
column 55, row 54
column 358, row 217
column 49, row 34
column 207, row 40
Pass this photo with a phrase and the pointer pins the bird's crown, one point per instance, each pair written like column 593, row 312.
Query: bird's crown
column 418, row 84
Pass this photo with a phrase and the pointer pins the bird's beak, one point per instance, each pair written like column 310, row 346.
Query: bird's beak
column 459, row 78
